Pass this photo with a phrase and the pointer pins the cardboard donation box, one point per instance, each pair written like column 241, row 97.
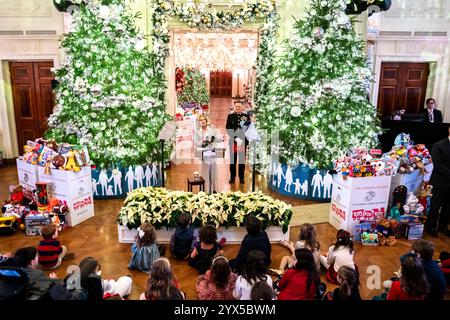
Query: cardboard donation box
column 411, row 181
column 358, row 199
column 74, row 188
column 28, row 175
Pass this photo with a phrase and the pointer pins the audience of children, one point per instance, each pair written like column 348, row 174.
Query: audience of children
column 144, row 250
column 182, row 239
column 255, row 239
column 300, row 282
column 254, row 270
column 412, row 284
column 217, row 283
column 306, row 239
column 420, row 277
column 51, row 252
column 204, row 251
column 339, row 254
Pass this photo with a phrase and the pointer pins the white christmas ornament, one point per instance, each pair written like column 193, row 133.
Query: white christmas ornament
column 295, row 112
column 318, row 32
column 139, row 45
column 96, row 89
column 104, row 12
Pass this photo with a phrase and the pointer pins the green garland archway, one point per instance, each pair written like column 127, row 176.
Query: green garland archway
column 199, row 15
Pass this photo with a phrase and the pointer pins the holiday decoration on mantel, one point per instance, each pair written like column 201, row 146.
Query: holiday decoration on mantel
column 110, row 96
column 319, row 92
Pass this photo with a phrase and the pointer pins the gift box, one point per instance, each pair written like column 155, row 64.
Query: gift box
column 34, row 223
column 414, row 231
column 363, row 226
column 369, row 238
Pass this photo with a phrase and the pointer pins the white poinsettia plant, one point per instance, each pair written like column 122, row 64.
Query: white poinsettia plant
column 162, row 207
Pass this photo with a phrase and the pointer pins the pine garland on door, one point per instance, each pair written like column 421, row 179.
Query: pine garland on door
column 110, row 95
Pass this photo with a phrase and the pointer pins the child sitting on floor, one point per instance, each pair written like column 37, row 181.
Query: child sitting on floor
column 161, row 281
column 205, row 250
column 218, row 282
column 255, row 239
column 348, row 289
column 50, row 251
column 306, row 239
column 339, row 254
column 145, row 250
column 181, row 241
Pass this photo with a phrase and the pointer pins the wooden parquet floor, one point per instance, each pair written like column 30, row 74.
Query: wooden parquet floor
column 97, row 236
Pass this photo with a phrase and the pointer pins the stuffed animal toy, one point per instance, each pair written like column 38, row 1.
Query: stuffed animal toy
column 394, row 213
column 70, row 163
column 9, row 210
column 425, row 194
column 405, row 168
column 16, row 194
column 418, row 164
column 385, row 235
column 404, row 140
column 379, row 166
column 399, row 196
column 412, row 205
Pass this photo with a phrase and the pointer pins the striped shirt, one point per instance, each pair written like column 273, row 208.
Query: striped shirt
column 48, row 252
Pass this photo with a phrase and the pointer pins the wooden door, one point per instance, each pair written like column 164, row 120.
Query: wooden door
column 221, row 83
column 33, row 98
column 402, row 85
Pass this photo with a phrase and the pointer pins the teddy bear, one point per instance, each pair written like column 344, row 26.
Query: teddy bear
column 384, row 231
column 412, row 205
column 424, row 195
column 16, row 194
column 418, row 164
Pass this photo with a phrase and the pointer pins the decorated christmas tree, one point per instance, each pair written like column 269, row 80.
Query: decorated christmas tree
column 192, row 86
column 319, row 94
column 109, row 96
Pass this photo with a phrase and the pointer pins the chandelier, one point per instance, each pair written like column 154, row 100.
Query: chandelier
column 216, row 51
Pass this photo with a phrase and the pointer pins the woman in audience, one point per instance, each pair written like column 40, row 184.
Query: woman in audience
column 204, row 251
column 413, row 283
column 262, row 291
column 306, row 239
column 145, row 250
column 218, row 282
column 300, row 282
column 255, row 269
column 348, row 289
column 255, row 239
column 160, row 281
column 339, row 254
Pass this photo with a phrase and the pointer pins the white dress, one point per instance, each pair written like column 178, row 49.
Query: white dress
column 208, row 168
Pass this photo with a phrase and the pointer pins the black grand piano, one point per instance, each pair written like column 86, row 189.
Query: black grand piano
column 419, row 131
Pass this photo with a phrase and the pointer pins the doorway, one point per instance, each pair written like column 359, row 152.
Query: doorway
column 33, row 98
column 402, row 85
column 221, row 84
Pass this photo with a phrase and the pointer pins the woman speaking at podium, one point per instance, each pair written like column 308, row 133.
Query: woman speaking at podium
column 206, row 139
